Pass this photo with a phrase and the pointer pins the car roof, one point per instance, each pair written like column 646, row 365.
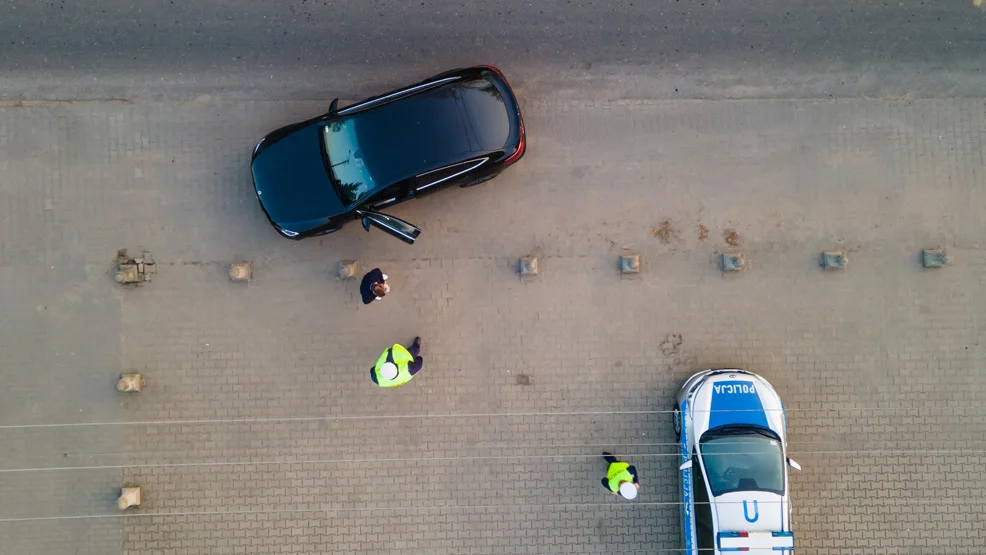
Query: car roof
column 446, row 123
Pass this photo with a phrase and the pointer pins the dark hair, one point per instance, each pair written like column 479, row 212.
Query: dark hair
column 378, row 289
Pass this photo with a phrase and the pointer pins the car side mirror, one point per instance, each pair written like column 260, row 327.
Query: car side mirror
column 334, row 106
column 366, row 223
column 685, row 465
column 793, row 464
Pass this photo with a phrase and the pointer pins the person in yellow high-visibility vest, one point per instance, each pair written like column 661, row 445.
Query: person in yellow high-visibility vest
column 621, row 478
column 397, row 365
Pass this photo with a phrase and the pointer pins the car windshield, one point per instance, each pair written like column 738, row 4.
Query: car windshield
column 397, row 140
column 350, row 176
column 743, row 461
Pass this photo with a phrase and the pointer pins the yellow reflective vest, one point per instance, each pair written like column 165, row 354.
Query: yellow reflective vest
column 617, row 474
column 399, row 356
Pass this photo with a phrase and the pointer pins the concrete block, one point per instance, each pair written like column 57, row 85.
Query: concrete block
column 133, row 270
column 129, row 497
column 732, row 262
column 348, row 269
column 528, row 266
column 629, row 263
column 240, row 271
column 834, row 260
column 126, row 274
column 130, row 383
column 934, row 258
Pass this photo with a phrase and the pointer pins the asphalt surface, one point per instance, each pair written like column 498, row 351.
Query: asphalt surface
column 662, row 48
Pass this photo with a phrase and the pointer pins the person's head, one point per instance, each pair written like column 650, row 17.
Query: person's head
column 628, row 490
column 388, row 371
column 380, row 289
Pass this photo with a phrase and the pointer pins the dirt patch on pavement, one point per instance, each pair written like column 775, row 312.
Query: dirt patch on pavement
column 670, row 345
column 666, row 231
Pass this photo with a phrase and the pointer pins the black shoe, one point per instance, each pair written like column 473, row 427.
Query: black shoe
column 417, row 341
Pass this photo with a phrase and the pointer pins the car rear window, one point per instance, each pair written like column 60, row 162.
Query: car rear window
column 487, row 111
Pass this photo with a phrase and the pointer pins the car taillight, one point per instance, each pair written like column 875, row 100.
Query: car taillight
column 520, row 147
column 498, row 73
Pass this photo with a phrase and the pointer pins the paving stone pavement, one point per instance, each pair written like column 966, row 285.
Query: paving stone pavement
column 260, row 432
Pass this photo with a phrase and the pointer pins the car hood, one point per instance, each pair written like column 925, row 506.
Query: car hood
column 737, row 399
column 750, row 511
column 292, row 183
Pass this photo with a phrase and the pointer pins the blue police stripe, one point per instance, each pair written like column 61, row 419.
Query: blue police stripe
column 687, row 521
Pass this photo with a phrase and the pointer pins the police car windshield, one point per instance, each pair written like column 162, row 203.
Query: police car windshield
column 743, row 460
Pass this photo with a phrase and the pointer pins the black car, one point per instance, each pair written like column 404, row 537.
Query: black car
column 461, row 127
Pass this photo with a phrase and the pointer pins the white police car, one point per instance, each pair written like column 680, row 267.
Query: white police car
column 733, row 438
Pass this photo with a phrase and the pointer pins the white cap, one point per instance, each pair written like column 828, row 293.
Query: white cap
column 388, row 371
column 628, row 490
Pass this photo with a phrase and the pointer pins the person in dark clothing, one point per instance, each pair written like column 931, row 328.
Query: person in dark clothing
column 374, row 286
column 413, row 367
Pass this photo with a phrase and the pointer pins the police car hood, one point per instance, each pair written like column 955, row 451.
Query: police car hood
column 736, row 399
column 750, row 511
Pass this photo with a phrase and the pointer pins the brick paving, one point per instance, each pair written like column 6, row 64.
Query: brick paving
column 493, row 448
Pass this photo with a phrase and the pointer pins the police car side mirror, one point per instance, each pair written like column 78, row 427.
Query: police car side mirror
column 687, row 464
column 334, row 106
column 793, row 464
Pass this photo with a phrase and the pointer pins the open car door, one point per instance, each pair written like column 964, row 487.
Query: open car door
column 394, row 226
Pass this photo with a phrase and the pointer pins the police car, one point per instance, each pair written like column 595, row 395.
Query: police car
column 732, row 433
